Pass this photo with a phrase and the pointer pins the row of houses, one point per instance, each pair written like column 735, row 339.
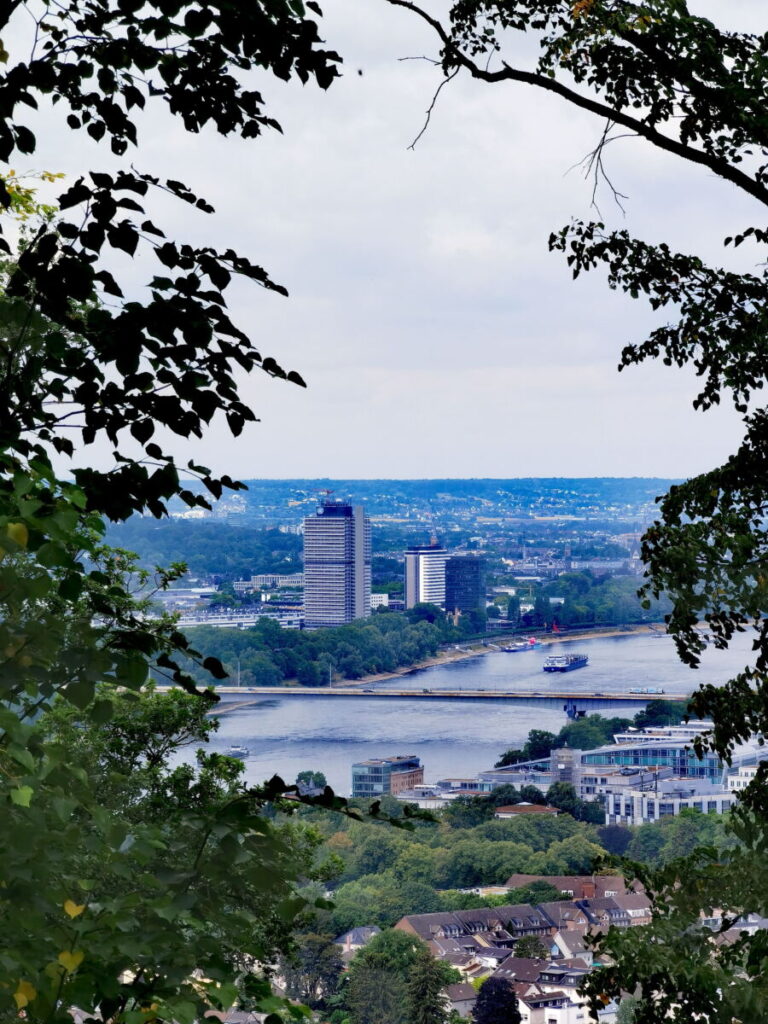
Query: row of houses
column 486, row 942
column 482, row 943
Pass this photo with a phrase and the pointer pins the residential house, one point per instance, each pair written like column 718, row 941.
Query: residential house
column 355, row 939
column 627, row 911
column 578, row 887
column 461, row 998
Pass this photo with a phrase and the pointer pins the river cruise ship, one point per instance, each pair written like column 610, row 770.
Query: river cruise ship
column 565, row 662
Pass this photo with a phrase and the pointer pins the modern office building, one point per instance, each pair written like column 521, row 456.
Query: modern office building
column 382, row 776
column 425, row 575
column 666, row 800
column 464, row 584
column 337, row 565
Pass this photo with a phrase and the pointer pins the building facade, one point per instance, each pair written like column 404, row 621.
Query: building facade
column 464, row 584
column 425, row 575
column 386, row 776
column 643, row 807
column 337, row 565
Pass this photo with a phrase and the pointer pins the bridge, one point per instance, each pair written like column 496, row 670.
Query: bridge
column 571, row 701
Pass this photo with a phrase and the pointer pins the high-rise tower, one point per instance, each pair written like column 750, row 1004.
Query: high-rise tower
column 425, row 575
column 337, row 565
column 464, row 584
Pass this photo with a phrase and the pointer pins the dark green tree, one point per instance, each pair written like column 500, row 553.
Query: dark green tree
column 532, row 795
column 531, row 947
column 563, row 796
column 424, row 995
column 496, row 1003
column 378, row 978
column 313, row 971
column 313, row 780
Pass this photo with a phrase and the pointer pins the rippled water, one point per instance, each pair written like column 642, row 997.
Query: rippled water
column 453, row 738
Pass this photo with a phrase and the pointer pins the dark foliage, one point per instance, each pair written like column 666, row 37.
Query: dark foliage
column 496, row 1003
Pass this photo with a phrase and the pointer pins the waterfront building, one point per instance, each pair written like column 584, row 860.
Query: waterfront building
column 675, row 754
column 337, row 565
column 464, row 584
column 386, row 776
column 742, row 777
column 667, row 799
column 425, row 575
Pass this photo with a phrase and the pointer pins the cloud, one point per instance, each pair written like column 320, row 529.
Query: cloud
column 437, row 333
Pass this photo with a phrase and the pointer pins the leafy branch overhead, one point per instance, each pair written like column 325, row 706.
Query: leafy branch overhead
column 654, row 70
column 169, row 362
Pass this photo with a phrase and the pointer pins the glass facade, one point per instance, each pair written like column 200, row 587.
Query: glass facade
column 374, row 778
column 464, row 584
column 682, row 760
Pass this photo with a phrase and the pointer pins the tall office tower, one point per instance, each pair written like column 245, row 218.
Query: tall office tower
column 464, row 584
column 425, row 575
column 337, row 565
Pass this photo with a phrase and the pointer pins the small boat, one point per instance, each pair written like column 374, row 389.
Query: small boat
column 237, row 751
column 522, row 645
column 565, row 662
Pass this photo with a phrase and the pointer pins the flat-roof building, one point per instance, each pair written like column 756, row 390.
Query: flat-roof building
column 337, row 565
column 425, row 575
column 386, row 776
column 464, row 584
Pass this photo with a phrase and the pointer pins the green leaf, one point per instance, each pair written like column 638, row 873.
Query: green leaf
column 22, row 795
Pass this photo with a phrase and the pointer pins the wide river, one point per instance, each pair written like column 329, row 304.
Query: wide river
column 454, row 738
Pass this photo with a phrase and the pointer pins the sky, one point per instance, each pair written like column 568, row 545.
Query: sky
column 437, row 334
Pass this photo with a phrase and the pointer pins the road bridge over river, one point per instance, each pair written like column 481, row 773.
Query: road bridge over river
column 572, row 701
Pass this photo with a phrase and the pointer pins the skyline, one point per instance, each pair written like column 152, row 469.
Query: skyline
column 438, row 336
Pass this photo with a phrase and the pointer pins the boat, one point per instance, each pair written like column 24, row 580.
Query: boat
column 237, row 751
column 646, row 689
column 522, row 645
column 565, row 662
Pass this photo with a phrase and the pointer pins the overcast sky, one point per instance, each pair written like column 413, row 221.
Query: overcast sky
column 437, row 334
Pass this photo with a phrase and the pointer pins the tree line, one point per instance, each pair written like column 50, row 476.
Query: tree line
column 209, row 548
column 266, row 654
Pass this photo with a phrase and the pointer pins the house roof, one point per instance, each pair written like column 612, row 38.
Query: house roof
column 516, row 968
column 633, row 901
column 461, row 992
column 358, row 936
column 576, row 884
column 526, row 809
column 485, row 924
column 563, row 913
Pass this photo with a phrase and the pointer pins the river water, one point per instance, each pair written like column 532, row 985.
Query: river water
column 454, row 738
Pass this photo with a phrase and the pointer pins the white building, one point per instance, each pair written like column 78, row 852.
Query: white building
column 379, row 600
column 742, row 777
column 641, row 807
column 295, row 579
column 337, row 565
column 425, row 575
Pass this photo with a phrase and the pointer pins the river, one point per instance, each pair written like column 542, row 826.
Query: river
column 453, row 739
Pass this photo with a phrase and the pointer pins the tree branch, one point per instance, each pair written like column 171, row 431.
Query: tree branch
column 507, row 73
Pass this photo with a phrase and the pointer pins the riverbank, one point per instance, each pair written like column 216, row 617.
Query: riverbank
column 476, row 650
